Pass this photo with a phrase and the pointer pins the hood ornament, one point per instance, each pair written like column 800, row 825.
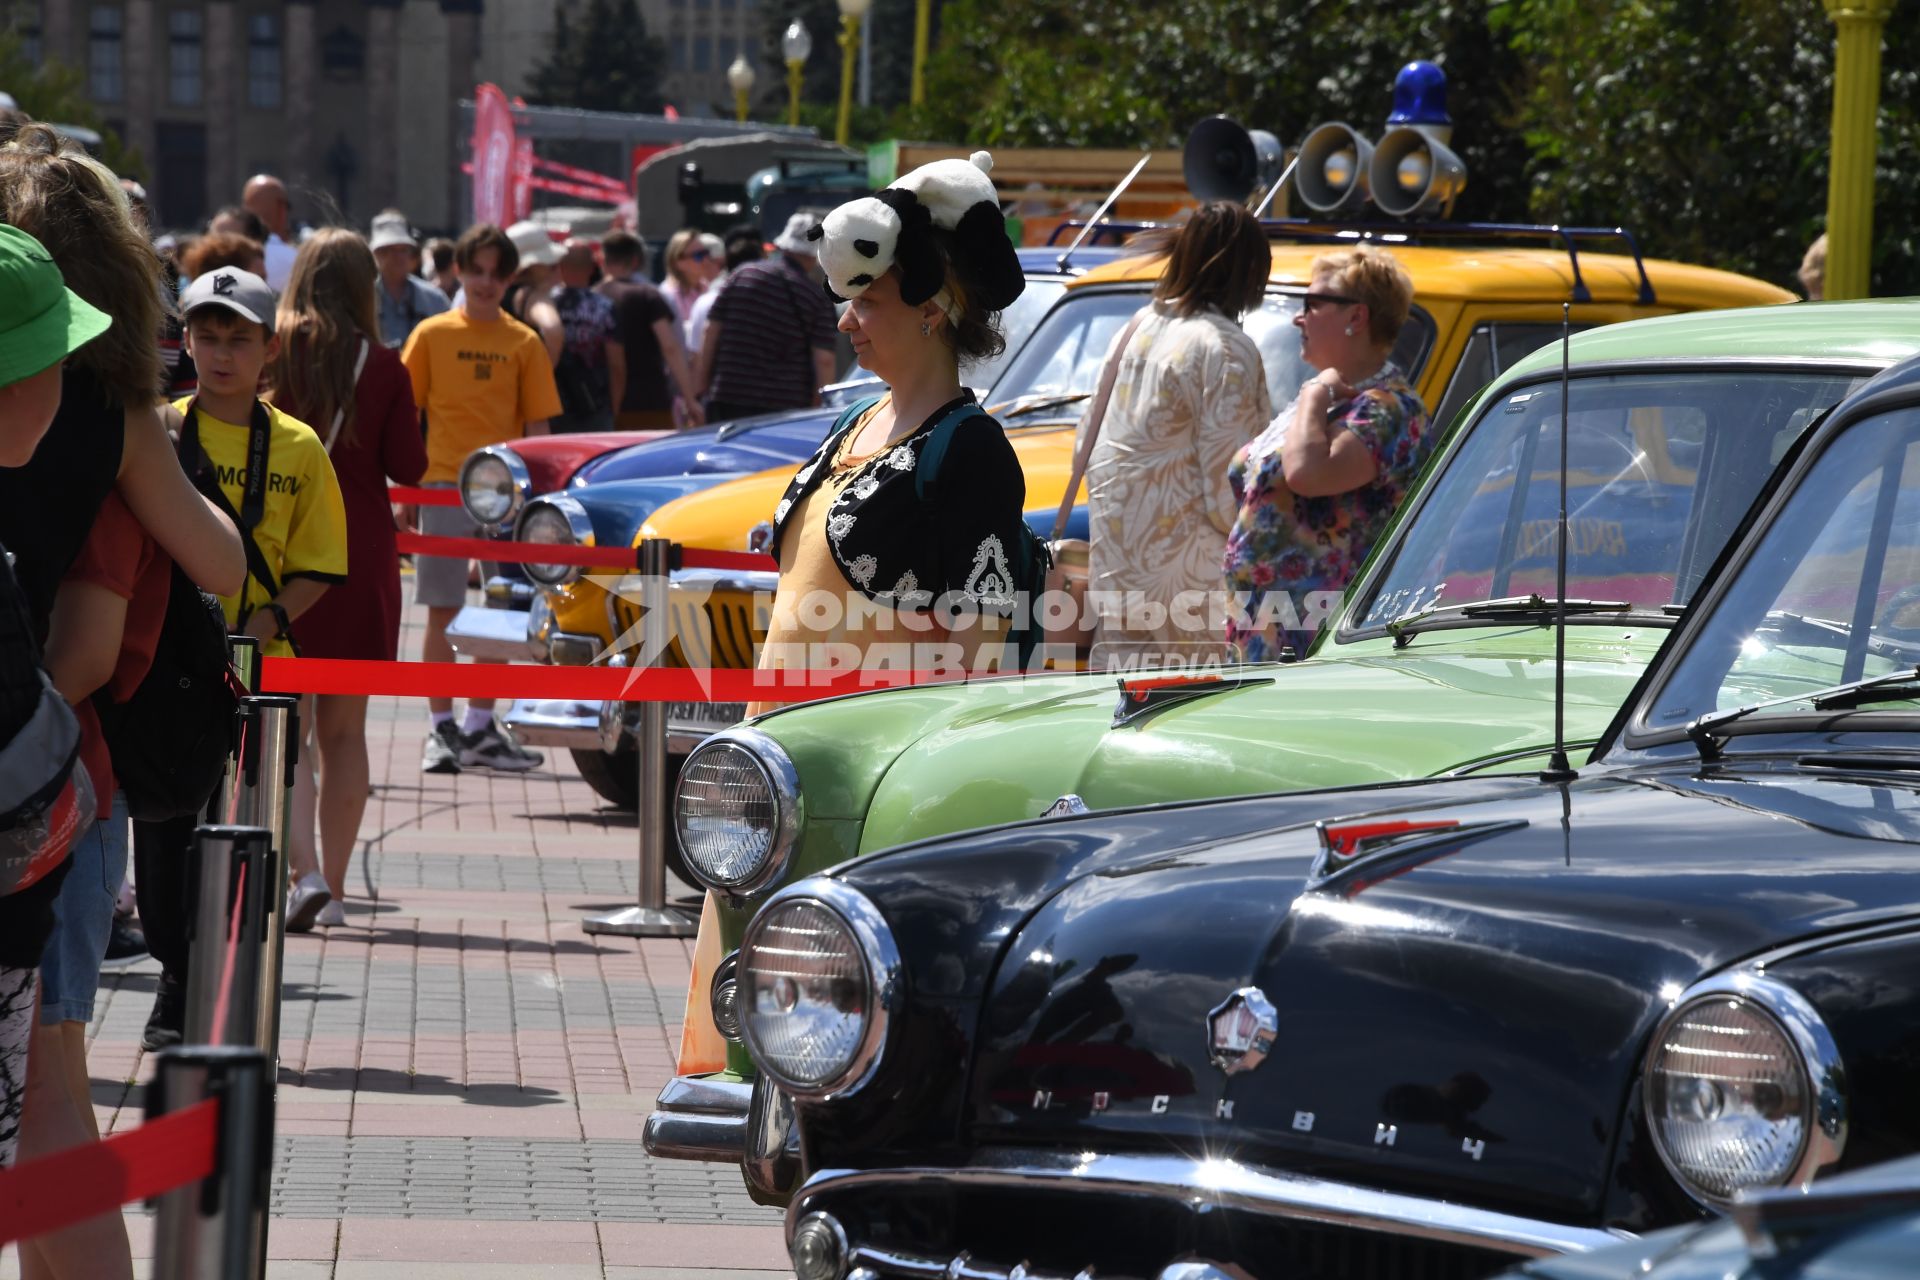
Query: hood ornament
column 1142, row 697
column 1241, row 1030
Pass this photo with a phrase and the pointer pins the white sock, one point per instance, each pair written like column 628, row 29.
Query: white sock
column 477, row 719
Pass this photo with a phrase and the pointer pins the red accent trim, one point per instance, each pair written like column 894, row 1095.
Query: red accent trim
column 422, row 544
column 84, row 1182
column 524, row 680
column 1139, row 689
column 1345, row 839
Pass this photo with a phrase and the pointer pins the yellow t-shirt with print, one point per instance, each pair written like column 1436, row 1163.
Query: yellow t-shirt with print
column 478, row 383
column 303, row 527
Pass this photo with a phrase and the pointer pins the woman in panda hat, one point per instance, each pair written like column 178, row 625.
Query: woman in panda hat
column 905, row 528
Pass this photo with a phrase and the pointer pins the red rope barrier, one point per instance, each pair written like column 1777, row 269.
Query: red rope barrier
column 84, row 1182
column 587, row 684
column 422, row 544
column 409, row 496
column 696, row 558
column 233, row 954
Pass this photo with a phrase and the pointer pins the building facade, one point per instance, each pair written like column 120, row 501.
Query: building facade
column 354, row 103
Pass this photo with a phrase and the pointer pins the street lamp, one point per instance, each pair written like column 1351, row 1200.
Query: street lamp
column 922, row 23
column 740, row 78
column 796, row 46
column 851, row 11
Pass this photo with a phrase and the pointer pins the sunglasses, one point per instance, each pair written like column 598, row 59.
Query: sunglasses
column 1312, row 300
column 696, row 255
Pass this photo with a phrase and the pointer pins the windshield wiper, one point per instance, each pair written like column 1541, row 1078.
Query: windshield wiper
column 1895, row 686
column 1021, row 406
column 1534, row 608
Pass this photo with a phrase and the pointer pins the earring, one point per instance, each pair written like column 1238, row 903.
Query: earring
column 926, row 330
column 1349, row 331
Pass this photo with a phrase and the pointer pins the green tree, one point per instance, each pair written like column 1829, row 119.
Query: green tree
column 55, row 92
column 604, row 62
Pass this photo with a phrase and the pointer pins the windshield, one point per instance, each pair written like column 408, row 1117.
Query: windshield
column 1016, row 324
column 1061, row 365
column 1831, row 594
column 1661, row 468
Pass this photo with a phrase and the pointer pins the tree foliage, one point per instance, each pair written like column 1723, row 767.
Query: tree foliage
column 57, row 93
column 604, row 61
column 1701, row 124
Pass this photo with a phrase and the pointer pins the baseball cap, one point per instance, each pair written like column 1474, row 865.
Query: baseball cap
column 42, row 322
column 389, row 230
column 535, row 247
column 241, row 292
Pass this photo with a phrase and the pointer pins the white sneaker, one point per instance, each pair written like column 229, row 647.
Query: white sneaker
column 332, row 915
column 305, row 901
column 489, row 748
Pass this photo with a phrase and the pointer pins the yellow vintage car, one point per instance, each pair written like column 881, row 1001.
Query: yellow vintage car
column 1478, row 308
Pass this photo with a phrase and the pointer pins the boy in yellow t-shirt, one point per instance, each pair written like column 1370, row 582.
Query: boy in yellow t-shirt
column 293, row 514
column 481, row 377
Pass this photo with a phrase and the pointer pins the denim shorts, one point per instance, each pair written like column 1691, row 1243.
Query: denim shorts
column 83, row 920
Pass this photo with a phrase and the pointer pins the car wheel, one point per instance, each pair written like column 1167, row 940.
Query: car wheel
column 615, row 778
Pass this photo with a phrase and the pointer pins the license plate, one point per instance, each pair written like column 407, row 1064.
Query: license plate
column 705, row 715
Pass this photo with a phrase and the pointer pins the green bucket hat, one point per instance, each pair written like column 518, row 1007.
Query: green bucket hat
column 42, row 322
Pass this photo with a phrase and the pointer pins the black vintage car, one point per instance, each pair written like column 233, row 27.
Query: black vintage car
column 1411, row 1031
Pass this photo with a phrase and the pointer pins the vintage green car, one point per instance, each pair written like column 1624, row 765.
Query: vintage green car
column 1439, row 660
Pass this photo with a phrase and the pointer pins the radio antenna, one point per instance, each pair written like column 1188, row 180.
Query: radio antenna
column 1101, row 212
column 1558, row 769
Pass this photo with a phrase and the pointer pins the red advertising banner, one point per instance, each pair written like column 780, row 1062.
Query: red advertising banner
column 522, row 178
column 493, row 155
column 575, row 174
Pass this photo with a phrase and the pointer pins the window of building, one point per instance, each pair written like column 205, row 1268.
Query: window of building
column 24, row 21
column 103, row 54
column 729, row 49
column 703, row 53
column 183, row 57
column 678, row 58
column 263, row 60
column 343, row 55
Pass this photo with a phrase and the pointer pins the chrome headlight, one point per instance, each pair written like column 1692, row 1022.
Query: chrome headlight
column 560, row 521
column 725, row 998
column 1744, row 1089
column 819, row 984
column 494, row 484
column 539, row 624
column 737, row 811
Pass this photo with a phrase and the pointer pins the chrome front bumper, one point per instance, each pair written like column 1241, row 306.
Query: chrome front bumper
column 555, row 722
column 696, row 1118
column 1197, row 1184
column 492, row 635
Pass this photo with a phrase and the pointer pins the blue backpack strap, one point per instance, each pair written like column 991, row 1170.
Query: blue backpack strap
column 849, row 418
column 934, row 451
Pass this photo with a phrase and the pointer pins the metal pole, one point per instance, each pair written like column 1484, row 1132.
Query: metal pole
column 266, row 784
column 1856, row 98
column 243, row 653
column 849, row 44
column 232, row 872
column 922, row 30
column 651, row 917
column 216, row 1229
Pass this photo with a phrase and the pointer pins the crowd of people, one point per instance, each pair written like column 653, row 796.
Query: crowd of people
column 225, row 415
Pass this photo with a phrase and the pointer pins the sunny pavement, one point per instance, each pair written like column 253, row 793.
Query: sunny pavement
column 464, row 1072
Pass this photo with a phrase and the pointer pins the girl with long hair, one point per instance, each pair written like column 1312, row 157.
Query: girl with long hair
column 334, row 374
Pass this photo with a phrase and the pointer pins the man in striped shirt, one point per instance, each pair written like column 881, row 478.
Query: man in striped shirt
column 770, row 337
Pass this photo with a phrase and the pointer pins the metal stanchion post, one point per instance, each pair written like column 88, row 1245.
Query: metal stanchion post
column 243, row 652
column 232, row 865
column 266, row 782
column 651, row 917
column 216, row 1229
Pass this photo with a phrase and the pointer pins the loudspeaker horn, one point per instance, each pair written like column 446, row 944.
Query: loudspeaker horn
column 1414, row 175
column 1224, row 160
column 1332, row 176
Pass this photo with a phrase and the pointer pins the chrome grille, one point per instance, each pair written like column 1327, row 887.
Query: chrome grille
column 721, row 630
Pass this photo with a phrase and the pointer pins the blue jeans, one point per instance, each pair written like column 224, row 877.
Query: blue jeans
column 83, row 920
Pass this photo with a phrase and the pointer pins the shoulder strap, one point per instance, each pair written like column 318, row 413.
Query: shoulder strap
column 934, row 452
column 1095, row 416
column 359, row 363
column 253, row 497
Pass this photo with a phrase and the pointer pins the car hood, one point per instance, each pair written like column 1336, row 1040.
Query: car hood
column 553, row 461
column 748, row 445
column 1006, row 751
column 720, row 519
column 1460, row 1016
column 617, row 507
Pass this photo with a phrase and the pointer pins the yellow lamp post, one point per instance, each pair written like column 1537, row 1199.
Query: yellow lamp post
column 796, row 46
column 740, row 79
column 851, row 11
column 1856, row 100
column 922, row 29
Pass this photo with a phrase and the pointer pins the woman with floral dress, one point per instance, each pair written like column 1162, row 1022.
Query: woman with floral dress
column 1316, row 488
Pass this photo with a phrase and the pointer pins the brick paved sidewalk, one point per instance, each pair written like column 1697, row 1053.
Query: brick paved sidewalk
column 464, row 1072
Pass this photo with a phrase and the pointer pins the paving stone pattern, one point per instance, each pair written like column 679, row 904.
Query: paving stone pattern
column 464, row 1072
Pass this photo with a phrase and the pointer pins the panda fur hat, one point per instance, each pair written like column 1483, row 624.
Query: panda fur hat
column 862, row 239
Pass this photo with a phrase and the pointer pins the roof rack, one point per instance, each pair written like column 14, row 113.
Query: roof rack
column 1323, row 231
